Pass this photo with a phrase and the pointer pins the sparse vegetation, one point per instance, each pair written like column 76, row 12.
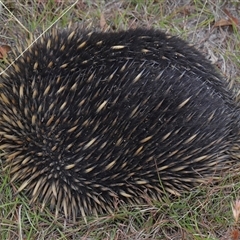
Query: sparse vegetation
column 205, row 213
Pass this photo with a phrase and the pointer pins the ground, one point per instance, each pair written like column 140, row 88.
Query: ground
column 212, row 27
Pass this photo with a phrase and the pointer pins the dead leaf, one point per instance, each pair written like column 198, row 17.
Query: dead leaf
column 4, row 49
column 236, row 209
column 235, row 234
column 230, row 21
column 230, row 16
column 223, row 22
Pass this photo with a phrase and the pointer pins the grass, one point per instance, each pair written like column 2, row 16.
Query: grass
column 204, row 213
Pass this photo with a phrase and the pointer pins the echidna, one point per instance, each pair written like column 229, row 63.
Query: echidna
column 91, row 119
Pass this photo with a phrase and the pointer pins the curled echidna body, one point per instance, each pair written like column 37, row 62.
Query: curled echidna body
column 89, row 119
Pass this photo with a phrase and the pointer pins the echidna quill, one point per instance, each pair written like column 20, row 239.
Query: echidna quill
column 91, row 119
